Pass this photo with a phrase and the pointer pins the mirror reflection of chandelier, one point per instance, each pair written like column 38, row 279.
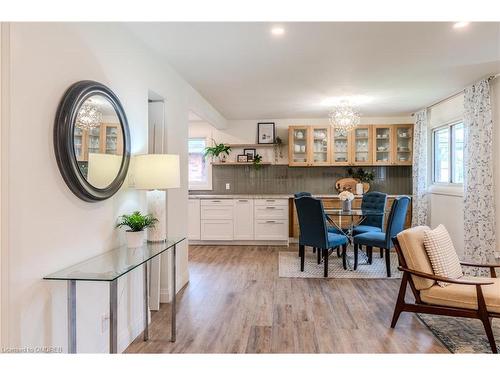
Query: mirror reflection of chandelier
column 89, row 116
column 343, row 117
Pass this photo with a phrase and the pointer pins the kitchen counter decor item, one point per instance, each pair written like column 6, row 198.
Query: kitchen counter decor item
column 346, row 197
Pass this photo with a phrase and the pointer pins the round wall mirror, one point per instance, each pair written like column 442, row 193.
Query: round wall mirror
column 91, row 141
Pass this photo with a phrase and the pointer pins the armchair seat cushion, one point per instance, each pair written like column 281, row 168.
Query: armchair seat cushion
column 335, row 240
column 375, row 239
column 358, row 229
column 464, row 296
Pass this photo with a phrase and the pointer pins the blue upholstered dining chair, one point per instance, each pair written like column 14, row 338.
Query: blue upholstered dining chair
column 330, row 228
column 395, row 224
column 372, row 201
column 313, row 231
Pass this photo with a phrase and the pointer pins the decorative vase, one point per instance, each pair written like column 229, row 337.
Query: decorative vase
column 359, row 188
column 346, row 205
column 134, row 239
column 222, row 158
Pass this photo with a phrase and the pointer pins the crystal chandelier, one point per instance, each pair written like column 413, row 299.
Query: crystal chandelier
column 89, row 116
column 343, row 117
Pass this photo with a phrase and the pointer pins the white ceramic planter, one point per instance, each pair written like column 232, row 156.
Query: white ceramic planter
column 134, row 239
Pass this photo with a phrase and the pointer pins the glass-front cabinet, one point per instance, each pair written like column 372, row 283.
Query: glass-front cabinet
column 362, row 145
column 320, row 145
column 382, row 152
column 298, row 148
column 403, row 136
column 341, row 146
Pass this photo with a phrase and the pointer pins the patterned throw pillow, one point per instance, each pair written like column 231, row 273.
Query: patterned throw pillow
column 442, row 254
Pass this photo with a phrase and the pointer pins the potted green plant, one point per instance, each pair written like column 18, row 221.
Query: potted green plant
column 364, row 178
column 219, row 151
column 278, row 149
column 136, row 222
column 257, row 160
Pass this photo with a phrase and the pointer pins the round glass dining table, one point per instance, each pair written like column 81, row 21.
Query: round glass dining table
column 348, row 219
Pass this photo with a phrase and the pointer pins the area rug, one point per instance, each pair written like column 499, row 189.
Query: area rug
column 461, row 335
column 289, row 266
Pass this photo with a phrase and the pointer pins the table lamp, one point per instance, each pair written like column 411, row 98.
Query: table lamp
column 157, row 172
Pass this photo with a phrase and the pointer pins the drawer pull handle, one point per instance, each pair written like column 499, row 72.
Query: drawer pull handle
column 270, row 200
column 270, row 208
column 270, row 221
column 215, row 201
column 242, row 200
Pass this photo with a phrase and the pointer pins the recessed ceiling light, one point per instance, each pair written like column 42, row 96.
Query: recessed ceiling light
column 277, row 30
column 459, row 25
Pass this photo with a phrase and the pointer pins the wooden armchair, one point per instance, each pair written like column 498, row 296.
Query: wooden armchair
column 477, row 298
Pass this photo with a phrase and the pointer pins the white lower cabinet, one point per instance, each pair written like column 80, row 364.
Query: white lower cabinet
column 271, row 230
column 212, row 230
column 194, row 219
column 243, row 219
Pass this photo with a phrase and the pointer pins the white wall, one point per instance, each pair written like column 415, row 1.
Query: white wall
column 49, row 228
column 245, row 131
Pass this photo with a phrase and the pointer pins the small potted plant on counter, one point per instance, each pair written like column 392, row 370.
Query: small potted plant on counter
column 220, row 151
column 257, row 160
column 346, row 198
column 364, row 178
column 136, row 222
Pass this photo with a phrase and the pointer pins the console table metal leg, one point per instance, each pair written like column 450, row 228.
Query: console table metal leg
column 146, row 303
column 174, row 288
column 113, row 326
column 71, row 316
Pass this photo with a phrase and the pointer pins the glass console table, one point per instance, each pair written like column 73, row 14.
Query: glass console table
column 109, row 267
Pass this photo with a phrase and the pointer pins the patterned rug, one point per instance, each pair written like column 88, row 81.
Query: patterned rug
column 461, row 335
column 289, row 266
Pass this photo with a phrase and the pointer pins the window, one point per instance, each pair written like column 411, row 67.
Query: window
column 448, row 154
column 199, row 168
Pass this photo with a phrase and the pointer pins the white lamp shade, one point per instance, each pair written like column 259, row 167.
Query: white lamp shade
column 103, row 169
column 157, row 171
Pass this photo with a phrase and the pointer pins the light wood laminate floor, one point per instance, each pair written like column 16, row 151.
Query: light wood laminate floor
column 236, row 303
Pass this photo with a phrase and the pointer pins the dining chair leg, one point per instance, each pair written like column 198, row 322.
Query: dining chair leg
column 344, row 256
column 314, row 250
column 325, row 261
column 369, row 254
column 355, row 256
column 302, row 257
column 381, row 252
column 319, row 256
column 388, row 262
column 338, row 252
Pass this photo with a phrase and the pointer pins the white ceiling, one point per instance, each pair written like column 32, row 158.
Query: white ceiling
column 246, row 73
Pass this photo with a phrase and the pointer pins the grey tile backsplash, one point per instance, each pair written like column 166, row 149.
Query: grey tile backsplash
column 281, row 179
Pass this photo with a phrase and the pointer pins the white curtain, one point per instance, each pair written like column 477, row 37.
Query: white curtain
column 479, row 203
column 420, row 214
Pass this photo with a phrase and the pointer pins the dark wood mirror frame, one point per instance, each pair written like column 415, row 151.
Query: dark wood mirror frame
column 64, row 127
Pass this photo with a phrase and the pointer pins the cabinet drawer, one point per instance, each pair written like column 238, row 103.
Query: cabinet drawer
column 216, row 229
column 271, row 202
column 216, row 212
column 276, row 230
column 217, row 202
column 271, row 212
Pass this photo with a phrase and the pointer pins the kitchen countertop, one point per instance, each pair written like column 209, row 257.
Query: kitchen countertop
column 270, row 196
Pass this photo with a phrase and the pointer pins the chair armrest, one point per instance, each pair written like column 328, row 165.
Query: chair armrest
column 445, row 279
column 468, row 264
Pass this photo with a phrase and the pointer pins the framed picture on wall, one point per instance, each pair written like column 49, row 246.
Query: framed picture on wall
column 250, row 153
column 265, row 132
column 241, row 158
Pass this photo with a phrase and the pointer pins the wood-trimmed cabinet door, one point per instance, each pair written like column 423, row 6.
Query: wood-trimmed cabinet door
column 341, row 147
column 362, row 145
column 382, row 144
column 403, row 144
column 298, row 146
column 320, row 145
